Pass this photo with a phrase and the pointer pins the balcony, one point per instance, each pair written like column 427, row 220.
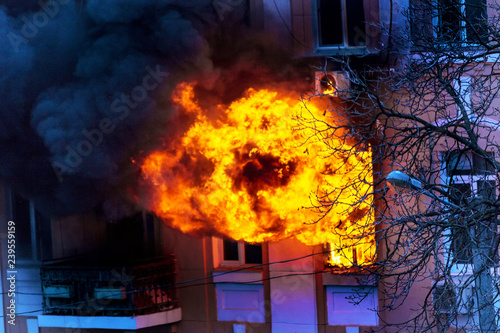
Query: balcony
column 142, row 293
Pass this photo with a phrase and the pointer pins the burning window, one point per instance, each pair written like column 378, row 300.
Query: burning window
column 255, row 171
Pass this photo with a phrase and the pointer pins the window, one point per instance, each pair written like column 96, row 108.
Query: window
column 228, row 253
column 233, row 253
column 461, row 20
column 452, row 298
column 131, row 237
column 339, row 23
column 467, row 175
column 453, row 21
column 240, row 294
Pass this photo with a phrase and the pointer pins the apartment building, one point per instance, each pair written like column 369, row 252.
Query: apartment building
column 89, row 273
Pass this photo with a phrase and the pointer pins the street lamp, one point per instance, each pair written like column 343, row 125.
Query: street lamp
column 402, row 180
column 483, row 280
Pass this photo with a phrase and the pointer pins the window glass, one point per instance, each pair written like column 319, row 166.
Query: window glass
column 461, row 246
column 330, row 22
column 486, row 188
column 458, row 163
column 459, row 192
column 421, row 16
column 469, row 175
column 355, row 23
column 475, row 13
column 483, row 165
column 449, row 20
column 465, row 163
column 230, row 250
column 253, row 254
column 341, row 23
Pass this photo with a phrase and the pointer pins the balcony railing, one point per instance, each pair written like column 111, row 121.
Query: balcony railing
column 109, row 291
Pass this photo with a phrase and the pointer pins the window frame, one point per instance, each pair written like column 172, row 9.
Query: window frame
column 218, row 255
column 436, row 20
column 335, row 48
column 472, row 178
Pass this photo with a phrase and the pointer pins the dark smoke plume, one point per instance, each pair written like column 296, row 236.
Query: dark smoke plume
column 84, row 88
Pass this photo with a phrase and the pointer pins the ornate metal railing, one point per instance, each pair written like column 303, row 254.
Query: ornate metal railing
column 109, row 291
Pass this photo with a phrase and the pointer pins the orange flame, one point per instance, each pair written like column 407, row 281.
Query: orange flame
column 254, row 173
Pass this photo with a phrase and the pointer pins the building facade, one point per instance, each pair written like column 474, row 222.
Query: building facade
column 87, row 273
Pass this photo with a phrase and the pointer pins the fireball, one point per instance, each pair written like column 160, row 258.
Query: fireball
column 264, row 170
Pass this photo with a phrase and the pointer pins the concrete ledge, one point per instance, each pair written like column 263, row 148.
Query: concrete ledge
column 108, row 322
column 239, row 277
column 284, row 327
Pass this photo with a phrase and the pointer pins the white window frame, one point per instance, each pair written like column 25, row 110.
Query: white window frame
column 218, row 254
column 472, row 180
column 316, row 32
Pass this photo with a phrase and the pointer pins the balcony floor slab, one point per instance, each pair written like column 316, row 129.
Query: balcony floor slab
column 108, row 322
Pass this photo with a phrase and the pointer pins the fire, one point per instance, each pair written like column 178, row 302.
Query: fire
column 255, row 174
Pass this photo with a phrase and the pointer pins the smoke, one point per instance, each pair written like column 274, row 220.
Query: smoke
column 79, row 84
column 85, row 86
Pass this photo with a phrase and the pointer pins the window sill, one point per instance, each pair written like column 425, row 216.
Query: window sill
column 107, row 323
column 238, row 267
column 339, row 50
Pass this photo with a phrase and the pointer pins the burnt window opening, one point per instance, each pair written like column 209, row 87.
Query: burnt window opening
column 131, row 239
column 341, row 23
column 241, row 253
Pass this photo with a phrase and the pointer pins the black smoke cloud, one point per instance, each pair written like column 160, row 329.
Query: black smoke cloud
column 68, row 71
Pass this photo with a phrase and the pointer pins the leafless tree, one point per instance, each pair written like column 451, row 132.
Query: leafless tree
column 430, row 109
